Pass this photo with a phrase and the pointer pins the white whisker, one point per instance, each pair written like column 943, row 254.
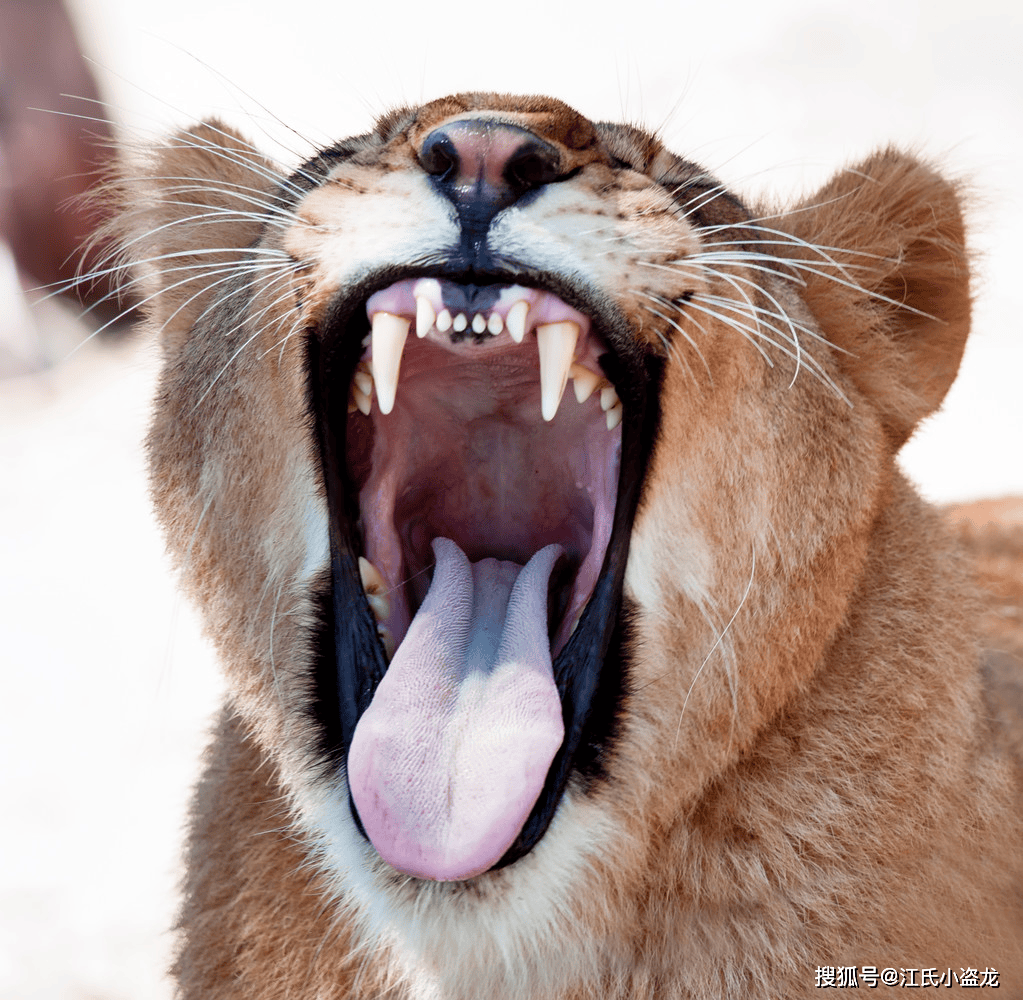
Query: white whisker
column 717, row 642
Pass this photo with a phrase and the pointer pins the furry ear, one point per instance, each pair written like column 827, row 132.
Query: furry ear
column 889, row 283
column 187, row 210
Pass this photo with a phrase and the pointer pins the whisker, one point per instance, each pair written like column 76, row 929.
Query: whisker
column 717, row 642
column 662, row 301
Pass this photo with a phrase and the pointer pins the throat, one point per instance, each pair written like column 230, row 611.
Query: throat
column 464, row 454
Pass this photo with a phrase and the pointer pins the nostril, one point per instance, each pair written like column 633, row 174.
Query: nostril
column 532, row 167
column 438, row 156
column 487, row 164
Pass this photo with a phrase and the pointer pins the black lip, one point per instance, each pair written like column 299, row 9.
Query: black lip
column 590, row 671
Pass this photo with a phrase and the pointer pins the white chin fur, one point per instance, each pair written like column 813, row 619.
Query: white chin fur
column 514, row 931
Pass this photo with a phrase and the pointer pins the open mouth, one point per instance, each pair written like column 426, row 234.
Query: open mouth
column 479, row 523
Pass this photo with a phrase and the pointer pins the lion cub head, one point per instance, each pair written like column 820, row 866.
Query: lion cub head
column 524, row 473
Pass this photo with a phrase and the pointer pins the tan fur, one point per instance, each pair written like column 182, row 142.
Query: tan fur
column 805, row 771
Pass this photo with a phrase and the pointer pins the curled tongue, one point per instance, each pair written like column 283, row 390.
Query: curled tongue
column 446, row 763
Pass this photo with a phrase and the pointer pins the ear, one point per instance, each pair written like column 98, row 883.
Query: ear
column 888, row 282
column 187, row 210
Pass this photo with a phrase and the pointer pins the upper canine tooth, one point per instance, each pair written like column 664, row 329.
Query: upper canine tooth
column 608, row 398
column 556, row 342
column 479, row 323
column 425, row 316
column 516, row 320
column 583, row 381
column 389, row 333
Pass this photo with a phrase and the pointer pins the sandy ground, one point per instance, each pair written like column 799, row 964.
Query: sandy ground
column 107, row 686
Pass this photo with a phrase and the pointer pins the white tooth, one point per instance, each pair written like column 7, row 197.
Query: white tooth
column 425, row 316
column 583, row 381
column 380, row 606
column 614, row 417
column 495, row 324
column 479, row 323
column 389, row 333
column 443, row 321
column 608, row 398
column 363, row 402
column 372, row 579
column 388, row 641
column 516, row 320
column 460, row 323
column 556, row 342
column 364, row 381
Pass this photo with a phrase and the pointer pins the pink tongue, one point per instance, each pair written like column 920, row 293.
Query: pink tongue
column 452, row 753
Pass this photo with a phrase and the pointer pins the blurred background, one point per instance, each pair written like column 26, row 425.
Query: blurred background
column 107, row 686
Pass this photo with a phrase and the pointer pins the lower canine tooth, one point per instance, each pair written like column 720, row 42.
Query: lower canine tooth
column 387, row 639
column 556, row 343
column 614, row 416
column 389, row 333
column 380, row 606
column 375, row 589
column 372, row 579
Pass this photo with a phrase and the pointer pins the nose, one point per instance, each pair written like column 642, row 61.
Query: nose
column 483, row 166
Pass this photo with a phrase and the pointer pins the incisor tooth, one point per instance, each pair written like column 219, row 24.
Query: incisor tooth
column 516, row 320
column 425, row 316
column 443, row 321
column 614, row 416
column 460, row 323
column 556, row 343
column 583, row 382
column 479, row 323
column 495, row 324
column 389, row 333
column 608, row 398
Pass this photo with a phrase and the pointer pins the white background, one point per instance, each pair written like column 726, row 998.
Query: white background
column 106, row 687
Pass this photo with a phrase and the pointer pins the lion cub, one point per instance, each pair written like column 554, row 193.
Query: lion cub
column 584, row 638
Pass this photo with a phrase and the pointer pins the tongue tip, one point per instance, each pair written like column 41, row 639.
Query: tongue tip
column 440, row 866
